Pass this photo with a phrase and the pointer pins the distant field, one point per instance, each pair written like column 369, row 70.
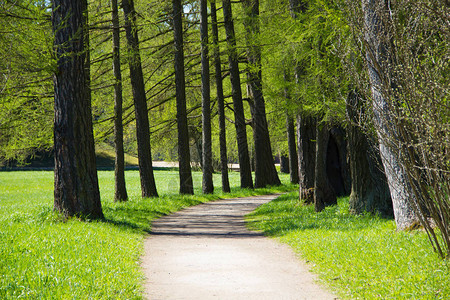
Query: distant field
column 45, row 257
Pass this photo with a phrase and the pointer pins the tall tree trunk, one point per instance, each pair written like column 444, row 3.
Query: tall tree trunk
column 292, row 145
column 220, row 101
column 76, row 183
column 241, row 131
column 370, row 191
column 148, row 186
column 324, row 194
column 284, row 164
column 338, row 169
column 380, row 61
column 306, row 137
column 207, row 182
column 290, row 129
column 120, row 193
column 265, row 171
column 184, row 157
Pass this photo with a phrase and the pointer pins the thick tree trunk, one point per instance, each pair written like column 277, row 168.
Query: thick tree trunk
column 241, row 131
column 338, row 169
column 379, row 63
column 370, row 191
column 186, row 185
column 265, row 171
column 120, row 193
column 284, row 164
column 76, row 183
column 324, row 194
column 306, row 137
column 220, row 102
column 148, row 185
column 207, row 183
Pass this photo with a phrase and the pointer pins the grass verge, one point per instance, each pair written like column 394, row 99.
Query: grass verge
column 359, row 257
column 42, row 257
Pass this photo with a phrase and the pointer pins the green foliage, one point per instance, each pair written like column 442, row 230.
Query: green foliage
column 361, row 257
column 43, row 256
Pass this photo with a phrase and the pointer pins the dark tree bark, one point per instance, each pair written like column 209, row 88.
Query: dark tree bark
column 241, row 131
column 324, row 194
column 76, row 183
column 148, row 185
column 120, row 193
column 306, row 136
column 380, row 61
column 220, row 102
column 284, row 164
column 184, row 157
column 265, row 171
column 207, row 182
column 290, row 129
column 338, row 169
column 370, row 191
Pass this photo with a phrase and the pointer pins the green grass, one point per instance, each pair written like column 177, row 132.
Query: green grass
column 359, row 257
column 42, row 257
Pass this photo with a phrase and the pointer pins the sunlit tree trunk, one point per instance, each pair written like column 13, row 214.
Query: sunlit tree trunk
column 148, row 185
column 184, row 157
column 379, row 57
column 76, row 183
column 207, row 183
column 220, row 101
column 241, row 131
column 120, row 193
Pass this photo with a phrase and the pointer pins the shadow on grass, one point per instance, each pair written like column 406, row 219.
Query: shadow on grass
column 286, row 214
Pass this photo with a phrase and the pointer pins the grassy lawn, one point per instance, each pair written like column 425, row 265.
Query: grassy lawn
column 360, row 257
column 42, row 257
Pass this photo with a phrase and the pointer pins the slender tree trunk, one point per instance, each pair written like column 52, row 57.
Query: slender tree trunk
column 324, row 194
column 207, row 183
column 379, row 63
column 290, row 129
column 76, row 183
column 148, row 185
column 241, row 131
column 119, row 165
column 265, row 171
column 306, row 137
column 284, row 164
column 370, row 191
column 293, row 157
column 184, row 157
column 220, row 101
column 338, row 169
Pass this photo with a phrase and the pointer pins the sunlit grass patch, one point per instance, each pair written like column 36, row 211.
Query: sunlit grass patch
column 43, row 256
column 360, row 257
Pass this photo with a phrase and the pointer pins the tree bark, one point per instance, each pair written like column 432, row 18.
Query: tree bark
column 148, row 185
column 184, row 158
column 265, row 171
column 241, row 131
column 120, row 189
column 370, row 191
column 306, row 137
column 379, row 63
column 284, row 164
column 290, row 129
column 76, row 183
column 324, row 194
column 338, row 169
column 220, row 102
column 207, row 182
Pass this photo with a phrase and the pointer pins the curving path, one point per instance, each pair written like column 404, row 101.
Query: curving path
column 206, row 252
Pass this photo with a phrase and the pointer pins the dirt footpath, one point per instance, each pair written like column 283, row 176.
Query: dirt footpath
column 206, row 252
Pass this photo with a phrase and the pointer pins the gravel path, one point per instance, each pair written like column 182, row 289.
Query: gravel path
column 206, row 252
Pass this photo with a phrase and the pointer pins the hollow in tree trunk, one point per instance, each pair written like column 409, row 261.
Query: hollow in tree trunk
column 324, row 194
